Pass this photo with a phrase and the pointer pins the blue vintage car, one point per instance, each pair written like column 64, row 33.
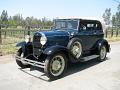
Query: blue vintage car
column 70, row 40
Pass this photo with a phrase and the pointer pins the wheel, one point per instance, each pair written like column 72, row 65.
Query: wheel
column 75, row 48
column 19, row 63
column 102, row 53
column 55, row 66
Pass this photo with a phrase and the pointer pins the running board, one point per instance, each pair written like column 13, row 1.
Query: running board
column 87, row 58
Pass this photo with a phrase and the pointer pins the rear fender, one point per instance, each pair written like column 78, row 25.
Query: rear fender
column 103, row 42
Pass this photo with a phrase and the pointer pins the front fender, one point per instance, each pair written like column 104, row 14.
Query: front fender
column 25, row 46
column 55, row 49
column 21, row 44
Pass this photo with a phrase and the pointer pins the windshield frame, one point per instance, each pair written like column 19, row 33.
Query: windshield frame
column 66, row 20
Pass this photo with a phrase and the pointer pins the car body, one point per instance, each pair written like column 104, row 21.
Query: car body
column 70, row 40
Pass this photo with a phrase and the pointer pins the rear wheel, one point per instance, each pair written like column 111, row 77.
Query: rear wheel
column 19, row 63
column 75, row 48
column 55, row 65
column 102, row 53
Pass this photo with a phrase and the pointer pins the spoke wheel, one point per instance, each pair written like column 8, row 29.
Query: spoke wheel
column 23, row 62
column 76, row 49
column 55, row 65
column 102, row 53
column 19, row 63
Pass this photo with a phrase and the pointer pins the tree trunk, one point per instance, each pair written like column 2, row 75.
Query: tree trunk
column 0, row 35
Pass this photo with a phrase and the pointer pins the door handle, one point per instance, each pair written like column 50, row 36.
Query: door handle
column 94, row 33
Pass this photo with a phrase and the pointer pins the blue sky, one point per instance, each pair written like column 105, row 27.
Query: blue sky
column 58, row 8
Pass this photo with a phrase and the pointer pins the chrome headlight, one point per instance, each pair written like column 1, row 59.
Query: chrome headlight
column 27, row 38
column 43, row 39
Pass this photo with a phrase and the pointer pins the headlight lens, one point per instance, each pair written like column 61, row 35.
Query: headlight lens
column 27, row 38
column 43, row 40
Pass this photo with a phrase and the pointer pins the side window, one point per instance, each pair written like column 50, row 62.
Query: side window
column 90, row 25
column 98, row 26
column 83, row 26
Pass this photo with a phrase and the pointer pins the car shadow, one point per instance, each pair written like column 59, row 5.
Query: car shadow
column 36, row 76
column 72, row 68
column 77, row 67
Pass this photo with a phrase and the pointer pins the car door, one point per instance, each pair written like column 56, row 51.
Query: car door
column 97, row 32
column 87, row 34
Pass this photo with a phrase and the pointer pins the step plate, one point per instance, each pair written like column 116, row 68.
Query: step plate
column 87, row 58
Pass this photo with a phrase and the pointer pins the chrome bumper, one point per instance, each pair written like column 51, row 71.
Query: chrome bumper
column 31, row 62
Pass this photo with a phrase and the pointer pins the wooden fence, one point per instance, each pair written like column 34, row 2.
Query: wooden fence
column 111, row 32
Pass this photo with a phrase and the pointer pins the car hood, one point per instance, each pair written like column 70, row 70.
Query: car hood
column 57, row 37
column 52, row 33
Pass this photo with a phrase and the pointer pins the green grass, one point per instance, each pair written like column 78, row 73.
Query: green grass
column 7, row 49
column 113, row 39
column 8, row 45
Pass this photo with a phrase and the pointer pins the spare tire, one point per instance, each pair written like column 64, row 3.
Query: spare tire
column 75, row 47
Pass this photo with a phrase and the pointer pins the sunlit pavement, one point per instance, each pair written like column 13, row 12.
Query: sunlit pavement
column 90, row 75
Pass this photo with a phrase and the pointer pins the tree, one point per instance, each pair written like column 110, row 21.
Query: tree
column 18, row 19
column 28, row 21
column 118, row 7
column 0, row 20
column 116, row 17
column 106, row 16
column 114, row 21
column 4, row 17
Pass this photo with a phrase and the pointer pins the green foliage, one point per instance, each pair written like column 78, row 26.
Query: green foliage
column 107, row 16
column 114, row 21
column 18, row 20
column 118, row 8
column 116, row 17
column 4, row 17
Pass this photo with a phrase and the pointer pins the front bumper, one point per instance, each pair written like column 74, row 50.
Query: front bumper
column 31, row 62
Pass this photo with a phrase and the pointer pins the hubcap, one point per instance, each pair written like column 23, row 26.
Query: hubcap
column 57, row 65
column 76, row 49
column 103, row 52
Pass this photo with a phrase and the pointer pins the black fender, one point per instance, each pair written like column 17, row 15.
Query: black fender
column 54, row 49
column 26, row 47
column 102, row 42
column 21, row 44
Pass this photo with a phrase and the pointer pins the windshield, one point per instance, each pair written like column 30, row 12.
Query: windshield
column 66, row 24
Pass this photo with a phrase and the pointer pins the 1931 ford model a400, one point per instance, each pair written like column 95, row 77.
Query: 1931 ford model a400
column 70, row 40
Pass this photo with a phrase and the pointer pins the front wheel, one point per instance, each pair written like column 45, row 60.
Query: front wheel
column 102, row 53
column 22, row 64
column 55, row 65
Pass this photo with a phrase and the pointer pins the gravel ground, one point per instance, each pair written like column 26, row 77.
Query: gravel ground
column 90, row 75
